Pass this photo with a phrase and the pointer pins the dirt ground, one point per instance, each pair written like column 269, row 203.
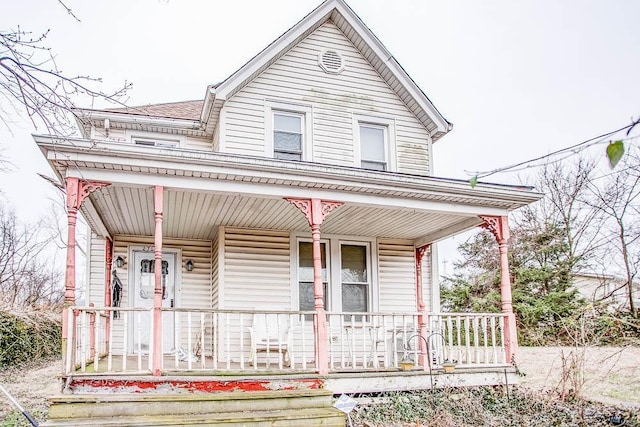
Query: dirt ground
column 611, row 375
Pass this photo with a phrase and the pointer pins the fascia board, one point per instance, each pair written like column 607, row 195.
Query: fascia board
column 139, row 119
column 320, row 14
column 261, row 190
column 381, row 51
column 216, row 163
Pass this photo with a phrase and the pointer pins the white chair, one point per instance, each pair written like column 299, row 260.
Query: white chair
column 270, row 333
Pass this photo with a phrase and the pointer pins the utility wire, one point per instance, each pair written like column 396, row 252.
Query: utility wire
column 567, row 150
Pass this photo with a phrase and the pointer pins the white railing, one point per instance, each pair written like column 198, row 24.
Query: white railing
column 121, row 340
column 371, row 341
column 108, row 339
column 198, row 339
column 467, row 339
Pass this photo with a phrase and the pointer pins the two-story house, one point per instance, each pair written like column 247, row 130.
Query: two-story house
column 282, row 225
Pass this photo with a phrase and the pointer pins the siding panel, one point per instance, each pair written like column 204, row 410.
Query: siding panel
column 296, row 77
column 396, row 272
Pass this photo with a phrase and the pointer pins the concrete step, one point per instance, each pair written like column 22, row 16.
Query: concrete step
column 329, row 417
column 106, row 405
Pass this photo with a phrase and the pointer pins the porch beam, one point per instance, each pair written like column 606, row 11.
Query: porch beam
column 499, row 227
column 443, row 233
column 157, row 295
column 423, row 317
column 76, row 192
column 315, row 211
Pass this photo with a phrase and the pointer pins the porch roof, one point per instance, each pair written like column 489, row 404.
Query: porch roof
column 205, row 189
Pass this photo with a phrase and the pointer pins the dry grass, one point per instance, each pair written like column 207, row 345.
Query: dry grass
column 610, row 374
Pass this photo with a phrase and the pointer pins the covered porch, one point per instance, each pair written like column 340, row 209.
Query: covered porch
column 247, row 300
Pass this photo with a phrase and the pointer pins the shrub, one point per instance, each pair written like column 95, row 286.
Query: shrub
column 28, row 337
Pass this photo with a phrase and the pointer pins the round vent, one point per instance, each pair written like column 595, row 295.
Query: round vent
column 331, row 61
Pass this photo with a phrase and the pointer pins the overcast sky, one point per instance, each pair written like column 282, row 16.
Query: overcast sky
column 516, row 78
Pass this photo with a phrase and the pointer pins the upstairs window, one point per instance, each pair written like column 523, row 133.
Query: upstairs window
column 373, row 147
column 288, row 135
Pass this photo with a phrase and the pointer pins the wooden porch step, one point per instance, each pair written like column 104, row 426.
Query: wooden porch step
column 105, row 405
column 328, row 417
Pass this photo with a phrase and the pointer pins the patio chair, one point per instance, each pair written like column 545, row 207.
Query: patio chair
column 270, row 333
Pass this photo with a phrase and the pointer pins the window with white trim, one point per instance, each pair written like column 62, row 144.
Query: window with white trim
column 288, row 130
column 346, row 275
column 354, row 277
column 155, row 142
column 374, row 142
column 305, row 275
column 373, row 147
column 288, row 135
column 154, row 139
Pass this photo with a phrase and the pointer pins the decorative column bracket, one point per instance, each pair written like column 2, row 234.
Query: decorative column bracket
column 77, row 193
column 497, row 225
column 314, row 213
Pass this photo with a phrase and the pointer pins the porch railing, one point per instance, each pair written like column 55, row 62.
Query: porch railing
column 258, row 340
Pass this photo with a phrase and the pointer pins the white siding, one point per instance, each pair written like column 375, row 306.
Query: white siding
column 198, row 143
column 256, row 269
column 215, row 283
column 428, row 293
column 396, row 272
column 297, row 78
column 97, row 270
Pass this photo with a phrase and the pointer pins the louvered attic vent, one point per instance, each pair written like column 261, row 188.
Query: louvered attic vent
column 331, row 61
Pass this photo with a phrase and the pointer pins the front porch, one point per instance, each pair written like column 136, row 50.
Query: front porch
column 366, row 352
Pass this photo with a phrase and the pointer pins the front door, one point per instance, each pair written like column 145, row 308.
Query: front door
column 143, row 294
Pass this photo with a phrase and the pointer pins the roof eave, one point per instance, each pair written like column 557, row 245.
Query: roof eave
column 140, row 119
column 516, row 196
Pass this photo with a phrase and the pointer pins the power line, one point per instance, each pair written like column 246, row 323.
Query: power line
column 569, row 151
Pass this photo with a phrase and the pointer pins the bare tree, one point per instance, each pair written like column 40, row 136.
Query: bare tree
column 27, row 277
column 617, row 200
column 565, row 186
column 32, row 82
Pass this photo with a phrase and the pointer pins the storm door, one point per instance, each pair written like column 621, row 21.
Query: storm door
column 143, row 294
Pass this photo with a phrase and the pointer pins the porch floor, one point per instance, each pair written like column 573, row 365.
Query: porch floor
column 233, row 378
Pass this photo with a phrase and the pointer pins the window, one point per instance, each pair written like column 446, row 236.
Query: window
column 374, row 142
column 373, row 147
column 346, row 275
column 354, row 278
column 305, row 275
column 287, row 136
column 154, row 139
column 288, row 131
column 156, row 143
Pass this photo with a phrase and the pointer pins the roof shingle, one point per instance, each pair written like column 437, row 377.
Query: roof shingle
column 187, row 110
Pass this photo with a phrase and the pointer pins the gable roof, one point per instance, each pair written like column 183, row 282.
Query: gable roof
column 362, row 38
column 201, row 117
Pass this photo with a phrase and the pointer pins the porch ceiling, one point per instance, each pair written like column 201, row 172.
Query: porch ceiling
column 196, row 215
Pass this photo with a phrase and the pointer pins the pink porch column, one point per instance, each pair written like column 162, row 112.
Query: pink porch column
column 316, row 210
column 499, row 227
column 77, row 190
column 423, row 318
column 157, row 296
